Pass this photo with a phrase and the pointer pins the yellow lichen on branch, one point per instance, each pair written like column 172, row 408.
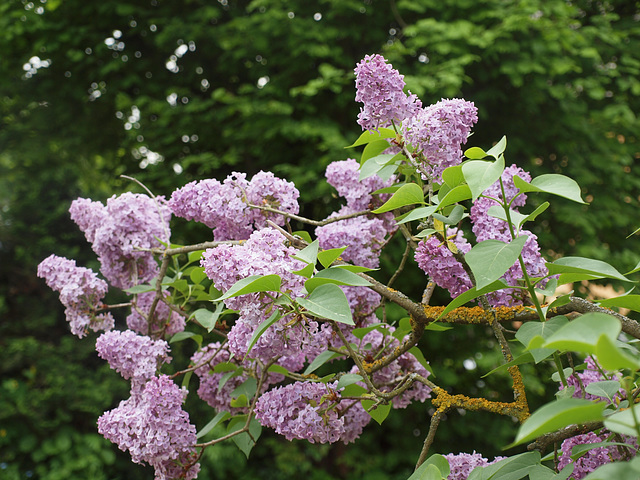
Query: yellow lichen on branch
column 473, row 315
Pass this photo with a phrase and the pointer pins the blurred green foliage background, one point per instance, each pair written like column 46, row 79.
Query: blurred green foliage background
column 169, row 92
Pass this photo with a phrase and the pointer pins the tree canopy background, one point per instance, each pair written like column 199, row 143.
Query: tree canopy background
column 169, row 92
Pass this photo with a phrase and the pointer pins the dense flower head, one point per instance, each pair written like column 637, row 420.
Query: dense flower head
column 224, row 206
column 438, row 131
column 462, row 464
column 590, row 374
column 379, row 87
column 164, row 322
column 307, row 411
column 154, row 428
column 435, row 258
column 344, row 176
column 119, row 233
column 595, row 457
column 81, row 292
column 132, row 356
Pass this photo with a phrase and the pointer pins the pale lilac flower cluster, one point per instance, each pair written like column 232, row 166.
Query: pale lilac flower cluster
column 132, row 356
column 462, row 464
column 344, row 176
column 437, row 132
column 224, row 206
column 310, row 411
column 120, row 231
column 154, row 428
column 379, row 87
column 81, row 292
column 595, row 457
column 486, row 227
column 164, row 322
column 589, row 375
column 436, row 259
column 265, row 253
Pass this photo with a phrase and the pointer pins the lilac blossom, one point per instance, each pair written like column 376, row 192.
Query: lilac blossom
column 595, row 457
column 121, row 231
column 81, row 292
column 437, row 132
column 164, row 322
column 462, row 464
column 379, row 87
column 132, row 356
column 590, row 374
column 344, row 176
column 436, row 259
column 224, row 206
column 154, row 428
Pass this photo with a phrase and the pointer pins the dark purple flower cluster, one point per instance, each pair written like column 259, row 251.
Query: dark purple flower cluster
column 164, row 322
column 152, row 426
column 438, row 131
column 462, row 464
column 224, row 206
column 590, row 374
column 595, row 457
column 81, row 292
column 122, row 232
column 379, row 87
column 133, row 356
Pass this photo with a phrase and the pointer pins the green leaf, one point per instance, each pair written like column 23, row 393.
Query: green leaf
column 359, row 333
column 480, row 175
column 453, row 218
column 511, row 468
column 348, row 379
column 308, row 254
column 197, row 274
column 379, row 413
column 328, row 301
column 307, row 271
column 540, row 330
column 556, row 415
column 337, row 276
column 180, row 336
column 239, row 402
column 275, row 316
column 374, row 149
column 417, row 353
column 475, row 153
column 498, row 148
column 327, row 257
column 623, row 422
column 632, row 302
column 374, row 164
column 453, row 176
column 408, row 194
column 320, row 360
column 617, row 470
column 416, row 214
column 139, row 289
column 253, row 284
column 303, row 234
column 245, row 441
column 436, row 467
column 583, row 333
column 551, row 183
column 489, row 260
column 208, row 319
column 526, row 357
column 220, row 417
column 278, row 369
column 370, row 136
column 613, row 358
column 455, row 195
column 195, row 256
column 604, row 388
column 246, row 388
column 355, row 268
column 471, row 294
column 573, row 269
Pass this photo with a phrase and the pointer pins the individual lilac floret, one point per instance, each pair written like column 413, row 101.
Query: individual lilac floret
column 81, row 292
column 589, row 375
column 379, row 87
column 132, row 356
column 462, row 464
column 154, row 428
column 164, row 322
column 437, row 261
column 344, row 176
column 302, row 411
column 437, row 132
column 595, row 457
column 121, row 231
column 224, row 206
column 363, row 236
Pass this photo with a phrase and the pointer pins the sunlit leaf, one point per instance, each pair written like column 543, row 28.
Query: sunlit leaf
column 489, row 260
column 328, row 301
column 408, row 194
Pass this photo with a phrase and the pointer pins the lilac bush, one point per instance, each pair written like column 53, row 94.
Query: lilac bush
column 295, row 334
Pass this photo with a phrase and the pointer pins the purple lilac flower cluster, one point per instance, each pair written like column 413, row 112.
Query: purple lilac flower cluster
column 310, row 411
column 436, row 259
column 486, row 227
column 590, row 374
column 81, row 292
column 462, row 464
column 344, row 176
column 164, row 322
column 379, row 87
column 437, row 132
column 595, row 457
column 121, row 231
column 224, row 206
column 154, row 428
column 133, row 356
